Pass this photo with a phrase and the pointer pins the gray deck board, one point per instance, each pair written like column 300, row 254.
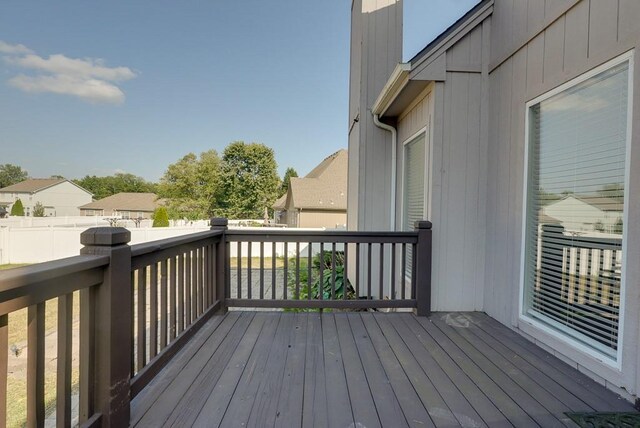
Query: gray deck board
column 250, row 369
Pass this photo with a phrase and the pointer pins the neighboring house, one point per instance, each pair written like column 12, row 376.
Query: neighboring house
column 516, row 101
column 59, row 197
column 586, row 214
column 124, row 205
column 318, row 199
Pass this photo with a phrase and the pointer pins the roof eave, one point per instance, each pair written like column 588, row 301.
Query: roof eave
column 397, row 81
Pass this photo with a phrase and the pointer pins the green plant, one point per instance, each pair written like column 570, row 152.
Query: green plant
column 160, row 217
column 324, row 285
column 17, row 208
column 38, row 210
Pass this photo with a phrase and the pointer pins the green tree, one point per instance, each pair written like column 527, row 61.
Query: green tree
column 191, row 186
column 101, row 187
column 17, row 209
column 286, row 180
column 160, row 217
column 249, row 180
column 38, row 210
column 11, row 174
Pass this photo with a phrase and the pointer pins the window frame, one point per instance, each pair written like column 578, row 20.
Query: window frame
column 422, row 132
column 539, row 325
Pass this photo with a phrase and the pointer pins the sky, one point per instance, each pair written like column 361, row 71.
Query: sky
column 96, row 88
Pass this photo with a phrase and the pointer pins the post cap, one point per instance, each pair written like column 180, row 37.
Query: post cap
column 219, row 222
column 422, row 224
column 105, row 236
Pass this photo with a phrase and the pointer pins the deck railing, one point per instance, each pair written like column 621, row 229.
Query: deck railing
column 140, row 304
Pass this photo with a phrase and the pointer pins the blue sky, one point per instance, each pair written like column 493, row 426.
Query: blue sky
column 94, row 88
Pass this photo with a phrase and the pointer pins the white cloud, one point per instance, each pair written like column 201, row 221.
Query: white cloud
column 92, row 90
column 6, row 48
column 88, row 79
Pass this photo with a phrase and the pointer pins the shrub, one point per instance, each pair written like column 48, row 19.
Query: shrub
column 160, row 217
column 38, row 210
column 17, row 208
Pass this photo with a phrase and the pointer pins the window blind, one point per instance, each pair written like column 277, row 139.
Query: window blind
column 575, row 200
column 413, row 200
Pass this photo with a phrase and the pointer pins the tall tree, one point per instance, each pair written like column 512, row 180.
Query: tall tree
column 249, row 180
column 101, row 187
column 17, row 209
column 11, row 174
column 286, row 180
column 191, row 186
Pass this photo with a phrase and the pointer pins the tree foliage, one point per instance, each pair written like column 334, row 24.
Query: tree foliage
column 286, row 180
column 249, row 180
column 160, row 217
column 11, row 174
column 191, row 186
column 101, row 187
column 17, row 209
column 38, row 210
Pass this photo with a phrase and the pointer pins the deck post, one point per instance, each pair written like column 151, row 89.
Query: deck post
column 221, row 262
column 422, row 260
column 113, row 320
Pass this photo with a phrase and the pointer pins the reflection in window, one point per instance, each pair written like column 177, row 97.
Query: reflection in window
column 575, row 205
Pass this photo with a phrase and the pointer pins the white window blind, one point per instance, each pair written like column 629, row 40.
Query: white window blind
column 413, row 200
column 575, row 200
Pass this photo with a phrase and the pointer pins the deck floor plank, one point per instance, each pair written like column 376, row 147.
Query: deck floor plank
column 541, row 377
column 582, row 386
column 339, row 412
column 412, row 406
column 364, row 408
column 289, row 412
column 266, row 369
column 143, row 402
column 542, row 407
column 314, row 404
column 387, row 405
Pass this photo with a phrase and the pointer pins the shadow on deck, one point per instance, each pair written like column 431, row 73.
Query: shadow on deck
column 364, row 369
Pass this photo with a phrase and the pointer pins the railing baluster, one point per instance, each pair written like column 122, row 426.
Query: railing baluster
column 163, row 304
column 205, row 280
column 153, row 311
column 286, row 270
column 35, row 365
column 345, row 278
column 172, row 298
column 142, row 318
column 273, row 270
column 188, row 319
column 393, row 271
column 333, row 270
column 413, row 270
column 193, row 285
column 403, row 276
column 297, row 270
column 381, row 288
column 369, row 249
column 239, row 262
column 357, row 270
column 249, row 284
column 132, row 302
column 4, row 366
column 63, row 369
column 309, row 265
column 321, row 273
column 200, row 280
column 261, row 270
column 181, row 299
column 87, row 354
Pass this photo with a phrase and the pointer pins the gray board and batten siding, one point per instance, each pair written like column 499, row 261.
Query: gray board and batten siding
column 536, row 46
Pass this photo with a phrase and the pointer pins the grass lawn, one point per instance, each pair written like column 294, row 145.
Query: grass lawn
column 3, row 267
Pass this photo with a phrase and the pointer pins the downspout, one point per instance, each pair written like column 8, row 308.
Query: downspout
column 394, row 143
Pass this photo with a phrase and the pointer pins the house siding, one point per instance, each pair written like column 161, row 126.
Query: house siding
column 376, row 45
column 559, row 42
column 322, row 218
column 62, row 199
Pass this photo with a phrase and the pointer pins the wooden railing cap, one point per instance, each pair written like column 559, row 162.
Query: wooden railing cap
column 422, row 224
column 105, row 236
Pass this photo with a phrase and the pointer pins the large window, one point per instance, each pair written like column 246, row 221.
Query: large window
column 577, row 149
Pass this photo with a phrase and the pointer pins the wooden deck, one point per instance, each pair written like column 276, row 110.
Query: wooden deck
column 368, row 370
